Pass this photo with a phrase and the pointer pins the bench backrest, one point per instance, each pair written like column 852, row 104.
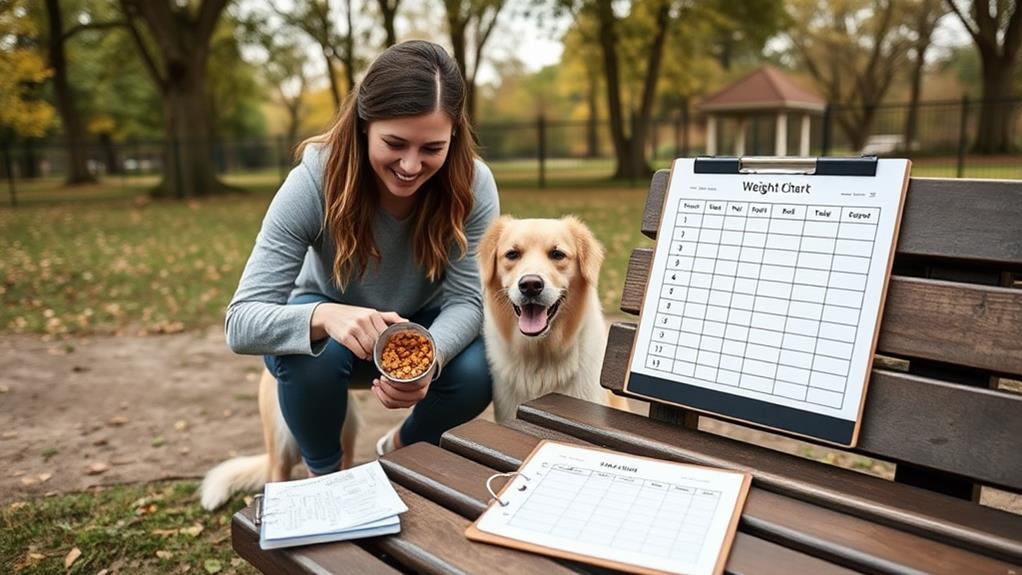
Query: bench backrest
column 950, row 420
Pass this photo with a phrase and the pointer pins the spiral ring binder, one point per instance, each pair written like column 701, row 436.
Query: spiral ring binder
column 508, row 474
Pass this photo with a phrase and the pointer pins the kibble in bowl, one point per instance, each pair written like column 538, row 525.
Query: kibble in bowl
column 405, row 353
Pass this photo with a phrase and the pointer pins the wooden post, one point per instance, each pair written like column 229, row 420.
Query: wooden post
column 711, row 134
column 827, row 117
column 781, row 135
column 743, row 125
column 804, row 137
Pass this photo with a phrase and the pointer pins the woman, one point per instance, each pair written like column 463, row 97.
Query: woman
column 379, row 222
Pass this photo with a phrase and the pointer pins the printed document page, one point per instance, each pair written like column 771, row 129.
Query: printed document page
column 329, row 504
column 655, row 514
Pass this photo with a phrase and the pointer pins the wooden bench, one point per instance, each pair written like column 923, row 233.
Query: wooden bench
column 953, row 328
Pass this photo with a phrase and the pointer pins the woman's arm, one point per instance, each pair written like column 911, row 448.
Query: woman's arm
column 258, row 320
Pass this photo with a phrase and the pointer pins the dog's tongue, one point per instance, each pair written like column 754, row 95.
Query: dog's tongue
column 533, row 319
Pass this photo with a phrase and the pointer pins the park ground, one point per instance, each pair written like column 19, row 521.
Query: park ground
column 118, row 392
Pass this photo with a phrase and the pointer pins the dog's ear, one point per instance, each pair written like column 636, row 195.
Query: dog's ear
column 487, row 254
column 589, row 249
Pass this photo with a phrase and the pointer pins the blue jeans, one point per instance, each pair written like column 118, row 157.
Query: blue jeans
column 313, row 395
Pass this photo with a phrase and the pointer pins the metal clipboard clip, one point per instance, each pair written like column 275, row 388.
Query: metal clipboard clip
column 508, row 474
column 811, row 166
column 258, row 516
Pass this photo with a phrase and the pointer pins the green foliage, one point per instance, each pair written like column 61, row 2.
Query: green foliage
column 146, row 528
column 235, row 92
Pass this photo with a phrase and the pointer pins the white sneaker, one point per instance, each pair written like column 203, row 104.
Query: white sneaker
column 385, row 444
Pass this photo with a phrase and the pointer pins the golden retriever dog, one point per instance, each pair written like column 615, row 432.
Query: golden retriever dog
column 542, row 323
column 250, row 473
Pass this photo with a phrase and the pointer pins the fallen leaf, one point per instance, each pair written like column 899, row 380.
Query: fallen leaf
column 97, row 468
column 180, row 425
column 44, row 477
column 193, row 531
column 185, row 450
column 164, row 532
column 162, row 554
column 17, row 505
column 29, row 481
column 10, row 434
column 236, row 561
column 4, row 388
column 212, row 565
column 118, row 420
column 71, row 557
column 36, row 556
column 157, row 441
column 103, row 572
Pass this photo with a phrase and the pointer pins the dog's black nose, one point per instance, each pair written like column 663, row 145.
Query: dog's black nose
column 530, row 285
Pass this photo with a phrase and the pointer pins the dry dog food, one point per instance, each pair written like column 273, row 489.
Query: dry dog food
column 406, row 355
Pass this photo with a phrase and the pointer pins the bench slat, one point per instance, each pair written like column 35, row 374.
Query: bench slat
column 432, row 540
column 970, row 431
column 986, row 530
column 450, row 480
column 829, row 534
column 976, row 220
column 340, row 557
column 975, row 326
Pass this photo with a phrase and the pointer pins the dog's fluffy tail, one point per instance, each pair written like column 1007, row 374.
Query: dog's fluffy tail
column 248, row 473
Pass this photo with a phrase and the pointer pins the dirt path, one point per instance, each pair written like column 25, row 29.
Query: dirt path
column 107, row 410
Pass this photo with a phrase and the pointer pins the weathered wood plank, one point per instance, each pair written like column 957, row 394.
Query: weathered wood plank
column 971, row 325
column 970, row 431
column 432, row 540
column 975, row 220
column 851, row 541
column 334, row 558
column 982, row 529
column 452, row 480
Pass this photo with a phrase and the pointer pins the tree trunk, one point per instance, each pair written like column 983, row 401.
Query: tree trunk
column 113, row 164
column 188, row 160
column 74, row 132
column 349, row 50
column 994, row 135
column 335, row 90
column 388, row 13
column 912, row 121
column 608, row 45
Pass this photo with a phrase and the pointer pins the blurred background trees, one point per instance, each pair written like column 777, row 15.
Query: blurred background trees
column 92, row 76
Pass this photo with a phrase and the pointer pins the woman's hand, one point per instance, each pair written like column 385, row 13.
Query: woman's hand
column 398, row 395
column 356, row 328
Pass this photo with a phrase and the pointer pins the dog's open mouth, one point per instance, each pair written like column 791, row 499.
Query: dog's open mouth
column 534, row 319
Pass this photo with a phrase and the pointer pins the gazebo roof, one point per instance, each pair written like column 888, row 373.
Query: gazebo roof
column 764, row 89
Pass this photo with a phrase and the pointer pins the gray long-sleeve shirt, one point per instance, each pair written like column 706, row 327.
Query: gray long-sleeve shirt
column 294, row 255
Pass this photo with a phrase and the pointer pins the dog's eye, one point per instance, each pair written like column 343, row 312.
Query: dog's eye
column 512, row 254
column 557, row 255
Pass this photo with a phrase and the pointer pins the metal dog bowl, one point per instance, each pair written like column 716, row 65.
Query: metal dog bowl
column 397, row 328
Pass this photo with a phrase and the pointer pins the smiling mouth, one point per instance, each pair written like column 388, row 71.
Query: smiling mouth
column 534, row 319
column 403, row 178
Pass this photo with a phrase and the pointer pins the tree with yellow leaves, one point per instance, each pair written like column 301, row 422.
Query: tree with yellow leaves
column 22, row 69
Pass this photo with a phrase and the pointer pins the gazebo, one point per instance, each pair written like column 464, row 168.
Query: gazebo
column 765, row 96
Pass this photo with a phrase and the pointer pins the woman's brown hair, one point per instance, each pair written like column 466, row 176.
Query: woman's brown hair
column 408, row 79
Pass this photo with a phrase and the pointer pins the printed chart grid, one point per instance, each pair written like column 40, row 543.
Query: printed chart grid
column 764, row 297
column 618, row 512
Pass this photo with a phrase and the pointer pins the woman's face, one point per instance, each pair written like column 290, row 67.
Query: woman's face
column 405, row 152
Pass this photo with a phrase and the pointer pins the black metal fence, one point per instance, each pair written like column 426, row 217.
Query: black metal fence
column 536, row 151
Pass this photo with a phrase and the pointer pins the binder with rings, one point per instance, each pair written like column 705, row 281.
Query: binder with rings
column 818, row 166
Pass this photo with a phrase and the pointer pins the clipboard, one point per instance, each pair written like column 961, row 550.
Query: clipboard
column 527, row 482
column 758, row 360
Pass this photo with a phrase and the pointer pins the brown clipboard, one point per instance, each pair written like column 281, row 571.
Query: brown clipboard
column 836, row 166
column 475, row 534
